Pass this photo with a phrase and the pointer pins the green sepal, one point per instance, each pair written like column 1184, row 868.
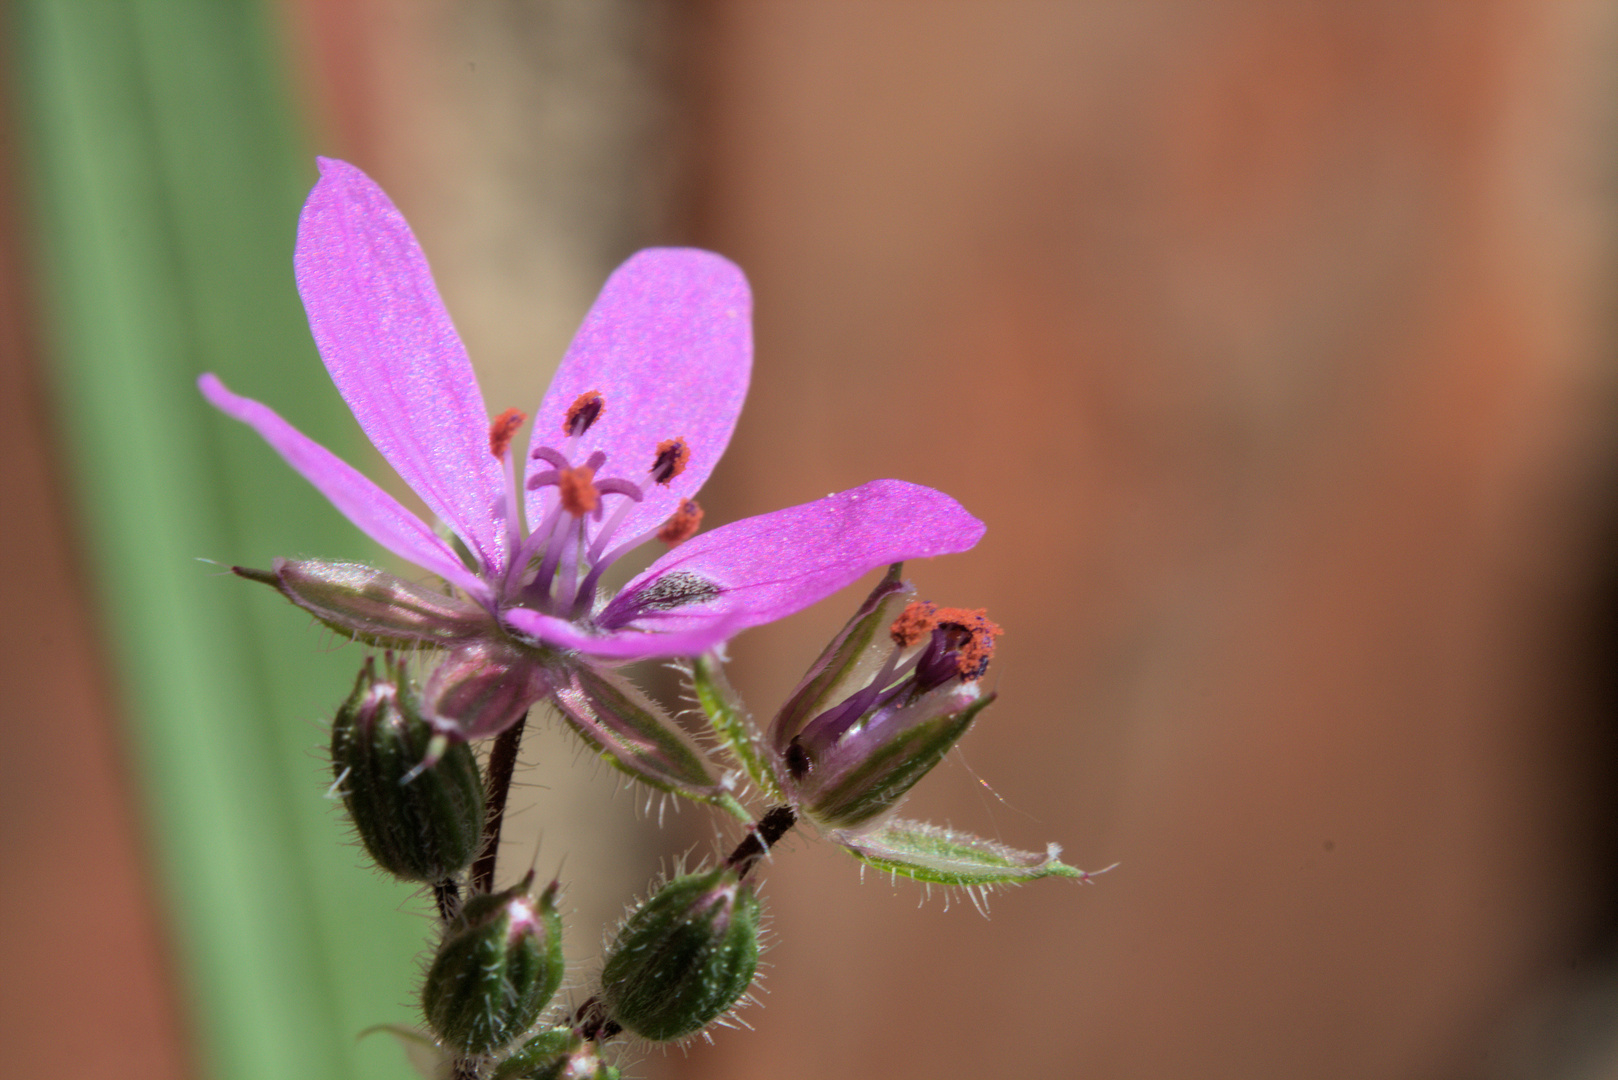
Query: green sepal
column 892, row 768
column 945, row 857
column 372, row 606
column 731, row 723
column 684, row 957
column 499, row 965
column 555, row 1054
column 418, row 824
column 634, row 733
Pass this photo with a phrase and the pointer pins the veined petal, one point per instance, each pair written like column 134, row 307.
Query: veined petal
column 767, row 567
column 394, row 355
column 669, row 345
column 622, row 645
column 376, row 513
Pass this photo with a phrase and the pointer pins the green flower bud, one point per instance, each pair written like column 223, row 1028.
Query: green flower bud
column 498, row 967
column 420, row 824
column 684, row 956
column 557, row 1054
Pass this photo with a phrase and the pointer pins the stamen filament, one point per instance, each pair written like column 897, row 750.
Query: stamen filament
column 553, row 545
column 610, row 526
column 511, row 507
column 567, row 578
column 838, row 720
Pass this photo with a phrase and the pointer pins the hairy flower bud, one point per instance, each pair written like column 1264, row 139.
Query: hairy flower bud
column 499, row 965
column 557, row 1054
column 684, row 956
column 420, row 824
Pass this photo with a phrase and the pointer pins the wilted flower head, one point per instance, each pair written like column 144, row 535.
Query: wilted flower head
column 639, row 412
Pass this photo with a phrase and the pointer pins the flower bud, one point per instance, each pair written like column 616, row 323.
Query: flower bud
column 498, row 967
column 684, row 956
column 557, row 1054
column 420, row 824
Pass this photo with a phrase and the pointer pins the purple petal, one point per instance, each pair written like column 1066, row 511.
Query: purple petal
column 394, row 355
column 378, row 514
column 669, row 345
column 623, row 645
column 767, row 567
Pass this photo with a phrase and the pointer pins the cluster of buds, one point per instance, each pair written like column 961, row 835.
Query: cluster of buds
column 880, row 707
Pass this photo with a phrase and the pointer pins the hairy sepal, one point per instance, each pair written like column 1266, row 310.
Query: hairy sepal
column 731, row 723
column 633, row 732
column 372, row 606
column 940, row 856
column 863, row 792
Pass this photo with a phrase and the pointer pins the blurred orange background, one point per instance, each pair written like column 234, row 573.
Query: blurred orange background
column 1273, row 341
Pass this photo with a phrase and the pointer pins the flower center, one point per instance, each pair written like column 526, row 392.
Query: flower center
column 559, row 565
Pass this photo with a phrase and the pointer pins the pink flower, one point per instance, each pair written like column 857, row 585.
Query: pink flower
column 639, row 412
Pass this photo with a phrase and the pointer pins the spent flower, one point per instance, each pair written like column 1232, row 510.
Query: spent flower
column 851, row 741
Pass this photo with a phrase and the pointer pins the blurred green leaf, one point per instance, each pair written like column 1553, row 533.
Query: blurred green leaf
column 165, row 183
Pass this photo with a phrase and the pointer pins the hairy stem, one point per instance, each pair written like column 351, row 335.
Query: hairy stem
column 776, row 823
column 502, row 761
column 447, row 895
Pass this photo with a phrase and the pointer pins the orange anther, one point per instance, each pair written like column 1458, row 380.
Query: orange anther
column 682, row 525
column 501, row 430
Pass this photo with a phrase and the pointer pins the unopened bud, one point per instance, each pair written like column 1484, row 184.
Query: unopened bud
column 420, row 824
column 684, row 956
column 498, row 967
column 557, row 1054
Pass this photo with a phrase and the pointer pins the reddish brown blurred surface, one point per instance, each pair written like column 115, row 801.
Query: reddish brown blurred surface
column 1271, row 342
column 86, row 989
